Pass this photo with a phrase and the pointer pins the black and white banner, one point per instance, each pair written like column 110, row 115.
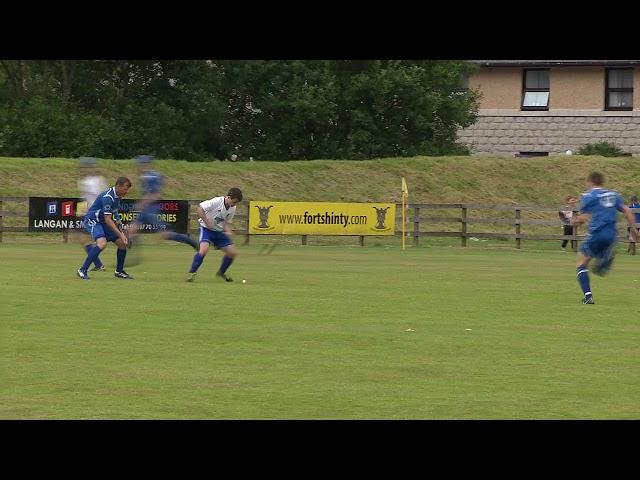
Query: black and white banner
column 57, row 214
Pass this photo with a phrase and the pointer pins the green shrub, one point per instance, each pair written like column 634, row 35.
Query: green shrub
column 604, row 149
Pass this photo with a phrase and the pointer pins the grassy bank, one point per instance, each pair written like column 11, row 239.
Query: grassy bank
column 540, row 181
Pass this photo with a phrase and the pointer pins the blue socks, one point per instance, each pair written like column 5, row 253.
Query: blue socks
column 97, row 261
column 197, row 261
column 120, row 255
column 583, row 280
column 226, row 262
column 92, row 255
column 182, row 238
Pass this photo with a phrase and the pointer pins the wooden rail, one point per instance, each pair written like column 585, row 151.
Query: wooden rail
column 468, row 219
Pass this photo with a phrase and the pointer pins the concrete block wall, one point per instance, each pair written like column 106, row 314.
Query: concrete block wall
column 511, row 134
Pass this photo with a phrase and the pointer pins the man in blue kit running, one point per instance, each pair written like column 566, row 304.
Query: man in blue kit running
column 601, row 206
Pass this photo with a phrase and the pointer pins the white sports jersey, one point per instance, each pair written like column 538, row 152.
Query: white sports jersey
column 217, row 213
column 90, row 187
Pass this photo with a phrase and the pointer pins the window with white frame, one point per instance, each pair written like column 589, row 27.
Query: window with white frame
column 535, row 89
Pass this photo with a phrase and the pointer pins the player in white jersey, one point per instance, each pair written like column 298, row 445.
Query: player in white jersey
column 214, row 217
column 90, row 185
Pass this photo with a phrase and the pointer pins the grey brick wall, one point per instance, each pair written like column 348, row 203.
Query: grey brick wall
column 493, row 134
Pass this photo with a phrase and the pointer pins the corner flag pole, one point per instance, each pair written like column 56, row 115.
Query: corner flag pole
column 405, row 195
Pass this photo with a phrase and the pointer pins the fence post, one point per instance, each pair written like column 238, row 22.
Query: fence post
column 517, row 227
column 361, row 240
column 416, row 226
column 463, row 227
column 0, row 221
column 304, row 239
column 248, row 236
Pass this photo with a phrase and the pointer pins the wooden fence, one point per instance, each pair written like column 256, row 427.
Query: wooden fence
column 462, row 220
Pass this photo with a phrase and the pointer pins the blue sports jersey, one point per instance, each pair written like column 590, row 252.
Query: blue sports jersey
column 151, row 182
column 107, row 202
column 603, row 205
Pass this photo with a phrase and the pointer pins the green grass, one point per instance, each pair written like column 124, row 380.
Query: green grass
column 541, row 181
column 318, row 332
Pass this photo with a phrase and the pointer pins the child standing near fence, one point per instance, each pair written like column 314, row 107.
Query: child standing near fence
column 633, row 203
column 565, row 217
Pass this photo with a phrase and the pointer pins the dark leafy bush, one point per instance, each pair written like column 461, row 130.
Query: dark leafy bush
column 604, row 149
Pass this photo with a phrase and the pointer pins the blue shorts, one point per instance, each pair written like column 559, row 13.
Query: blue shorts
column 97, row 230
column 599, row 245
column 217, row 239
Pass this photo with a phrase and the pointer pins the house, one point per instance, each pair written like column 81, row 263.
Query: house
column 546, row 107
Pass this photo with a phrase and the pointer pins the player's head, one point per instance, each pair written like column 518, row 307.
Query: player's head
column 87, row 164
column 633, row 199
column 123, row 184
column 569, row 199
column 144, row 161
column 595, row 179
column 234, row 196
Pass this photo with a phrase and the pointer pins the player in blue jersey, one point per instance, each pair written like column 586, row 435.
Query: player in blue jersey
column 152, row 182
column 100, row 222
column 601, row 206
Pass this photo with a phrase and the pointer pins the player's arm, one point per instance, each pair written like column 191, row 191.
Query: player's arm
column 202, row 214
column 227, row 225
column 580, row 219
column 631, row 220
column 112, row 225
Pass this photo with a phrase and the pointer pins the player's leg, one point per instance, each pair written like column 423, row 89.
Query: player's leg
column 178, row 237
column 200, row 254
column 602, row 249
column 85, row 239
column 166, row 234
column 566, row 230
column 229, row 255
column 604, row 258
column 97, row 234
column 631, row 247
column 121, row 255
column 582, row 269
column 87, row 242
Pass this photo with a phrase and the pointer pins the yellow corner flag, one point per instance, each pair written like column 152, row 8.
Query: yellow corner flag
column 405, row 195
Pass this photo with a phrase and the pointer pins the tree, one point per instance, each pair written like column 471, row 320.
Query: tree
column 266, row 109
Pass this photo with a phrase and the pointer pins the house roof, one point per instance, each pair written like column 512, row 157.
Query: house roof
column 556, row 63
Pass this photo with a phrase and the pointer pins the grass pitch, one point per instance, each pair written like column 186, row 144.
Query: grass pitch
column 318, row 332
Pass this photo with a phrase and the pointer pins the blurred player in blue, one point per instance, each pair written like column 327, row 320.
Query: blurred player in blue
column 601, row 206
column 100, row 222
column 148, row 208
column 90, row 185
column 633, row 203
column 215, row 217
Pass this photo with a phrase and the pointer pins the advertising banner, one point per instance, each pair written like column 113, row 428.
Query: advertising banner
column 56, row 214
column 321, row 218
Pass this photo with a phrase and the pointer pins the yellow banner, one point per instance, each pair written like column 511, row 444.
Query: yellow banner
column 320, row 218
